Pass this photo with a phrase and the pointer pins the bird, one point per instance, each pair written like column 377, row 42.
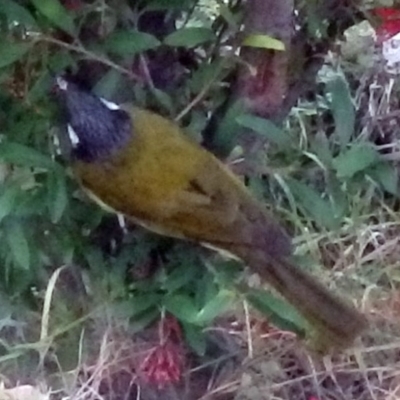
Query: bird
column 142, row 165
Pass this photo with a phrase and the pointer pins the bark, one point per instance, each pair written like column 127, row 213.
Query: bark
column 262, row 79
column 278, row 79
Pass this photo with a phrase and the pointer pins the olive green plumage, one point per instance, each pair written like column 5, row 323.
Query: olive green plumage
column 155, row 175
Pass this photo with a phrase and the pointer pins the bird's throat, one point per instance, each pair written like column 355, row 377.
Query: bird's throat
column 102, row 137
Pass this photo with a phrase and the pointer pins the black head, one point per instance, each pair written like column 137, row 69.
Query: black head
column 97, row 128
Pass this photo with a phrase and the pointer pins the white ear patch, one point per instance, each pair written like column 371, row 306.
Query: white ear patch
column 72, row 136
column 62, row 83
column 110, row 104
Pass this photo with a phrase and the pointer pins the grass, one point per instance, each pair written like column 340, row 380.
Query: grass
column 262, row 361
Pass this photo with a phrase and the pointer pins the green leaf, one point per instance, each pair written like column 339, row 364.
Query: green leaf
column 189, row 37
column 387, row 176
column 12, row 51
column 224, row 129
column 18, row 244
column 22, row 155
column 195, row 338
column 41, row 87
column 215, row 307
column 338, row 197
column 342, row 108
column 108, row 84
column 8, row 200
column 139, row 304
column 264, row 42
column 281, row 313
column 265, row 128
column 226, row 271
column 316, row 26
column 59, row 246
column 205, row 289
column 95, row 260
column 206, row 73
column 57, row 195
column 61, row 60
column 320, row 145
column 180, row 276
column 145, row 319
column 31, row 202
column 227, row 14
column 359, row 157
column 164, row 100
column 128, row 43
column 15, row 13
column 311, row 201
column 56, row 14
column 180, row 5
column 182, row 307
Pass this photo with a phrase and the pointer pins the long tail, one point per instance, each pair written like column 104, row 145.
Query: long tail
column 337, row 323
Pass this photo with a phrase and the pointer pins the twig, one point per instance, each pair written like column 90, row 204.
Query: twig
column 200, row 95
column 250, row 352
column 89, row 54
column 196, row 100
column 145, row 69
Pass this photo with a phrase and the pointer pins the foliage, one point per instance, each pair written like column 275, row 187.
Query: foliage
column 45, row 222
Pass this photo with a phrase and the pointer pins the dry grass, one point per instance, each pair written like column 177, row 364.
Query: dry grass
column 262, row 362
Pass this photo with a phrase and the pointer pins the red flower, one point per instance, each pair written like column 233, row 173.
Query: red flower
column 164, row 363
column 387, row 13
column 390, row 22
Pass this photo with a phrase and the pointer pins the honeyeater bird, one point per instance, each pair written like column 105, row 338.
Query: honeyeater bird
column 143, row 166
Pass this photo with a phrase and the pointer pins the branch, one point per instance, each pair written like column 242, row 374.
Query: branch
column 88, row 54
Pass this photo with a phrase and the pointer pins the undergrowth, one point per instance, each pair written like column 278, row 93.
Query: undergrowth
column 88, row 311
